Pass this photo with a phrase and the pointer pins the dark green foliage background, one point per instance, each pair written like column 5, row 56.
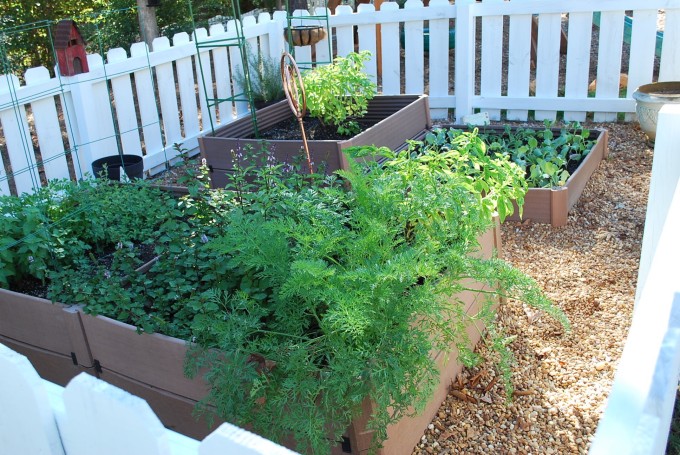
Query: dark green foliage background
column 25, row 25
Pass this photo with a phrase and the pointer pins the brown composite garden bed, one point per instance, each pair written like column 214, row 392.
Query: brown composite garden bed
column 151, row 365
column 394, row 118
column 50, row 335
column 552, row 205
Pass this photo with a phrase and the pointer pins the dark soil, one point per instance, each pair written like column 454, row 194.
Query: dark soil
column 289, row 129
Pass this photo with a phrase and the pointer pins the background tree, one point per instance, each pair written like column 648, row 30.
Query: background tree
column 26, row 25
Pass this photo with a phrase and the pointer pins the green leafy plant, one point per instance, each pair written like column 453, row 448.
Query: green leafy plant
column 265, row 78
column 548, row 159
column 65, row 221
column 338, row 93
column 494, row 177
column 343, row 294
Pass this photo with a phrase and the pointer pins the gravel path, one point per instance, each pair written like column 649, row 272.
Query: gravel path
column 588, row 268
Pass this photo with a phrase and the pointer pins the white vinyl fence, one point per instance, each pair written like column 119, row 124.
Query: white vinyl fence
column 640, row 404
column 144, row 103
column 90, row 416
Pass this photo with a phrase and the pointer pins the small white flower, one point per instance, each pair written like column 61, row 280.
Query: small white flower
column 107, row 274
column 30, row 259
column 204, row 238
column 119, row 245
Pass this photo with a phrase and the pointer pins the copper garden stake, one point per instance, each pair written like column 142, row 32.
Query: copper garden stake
column 295, row 94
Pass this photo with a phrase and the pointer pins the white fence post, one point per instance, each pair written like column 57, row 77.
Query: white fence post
column 547, row 61
column 578, row 61
column 391, row 54
column 344, row 34
column 640, row 404
column 414, row 61
column 146, row 102
column 666, row 173
column 367, row 40
column 121, row 86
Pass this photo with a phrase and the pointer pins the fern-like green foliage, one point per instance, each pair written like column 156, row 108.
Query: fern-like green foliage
column 348, row 290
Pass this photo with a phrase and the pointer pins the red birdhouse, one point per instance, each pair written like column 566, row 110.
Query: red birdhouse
column 70, row 47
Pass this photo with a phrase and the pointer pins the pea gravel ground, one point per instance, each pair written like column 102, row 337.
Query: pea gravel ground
column 589, row 269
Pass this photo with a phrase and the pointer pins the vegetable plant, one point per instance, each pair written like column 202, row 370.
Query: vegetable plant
column 346, row 290
column 302, row 297
column 338, row 93
column 547, row 158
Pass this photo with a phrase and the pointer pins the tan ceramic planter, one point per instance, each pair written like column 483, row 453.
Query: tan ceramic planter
column 649, row 99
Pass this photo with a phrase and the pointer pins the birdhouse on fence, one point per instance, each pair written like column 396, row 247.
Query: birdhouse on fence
column 70, row 48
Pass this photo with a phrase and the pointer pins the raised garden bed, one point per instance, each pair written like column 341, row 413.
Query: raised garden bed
column 248, row 288
column 394, row 118
column 151, row 365
column 552, row 205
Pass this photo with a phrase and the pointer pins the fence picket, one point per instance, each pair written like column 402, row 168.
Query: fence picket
column 642, row 49
column 146, row 102
column 126, row 115
column 220, row 62
column 609, row 60
column 236, row 66
column 186, row 83
column 492, row 58
column 277, row 43
column 439, row 58
column 345, row 33
column 670, row 51
column 321, row 48
column 97, row 414
column 201, row 63
column 18, row 140
column 414, row 60
column 165, row 82
column 367, row 41
column 578, row 61
column 391, row 58
column 519, row 59
column 232, row 439
column 47, row 128
column 548, row 61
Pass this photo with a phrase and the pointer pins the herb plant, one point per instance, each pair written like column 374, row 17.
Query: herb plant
column 344, row 291
column 338, row 93
column 265, row 78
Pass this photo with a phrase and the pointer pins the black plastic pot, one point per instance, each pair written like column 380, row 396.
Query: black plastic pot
column 132, row 164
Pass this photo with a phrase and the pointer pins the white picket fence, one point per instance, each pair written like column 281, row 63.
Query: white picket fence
column 640, row 404
column 90, row 416
column 148, row 101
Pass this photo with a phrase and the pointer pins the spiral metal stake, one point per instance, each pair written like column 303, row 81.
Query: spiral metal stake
column 295, row 94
